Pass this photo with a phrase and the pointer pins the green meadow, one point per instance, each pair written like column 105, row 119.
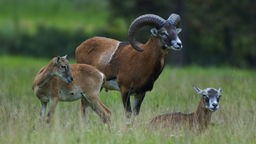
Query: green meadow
column 27, row 15
column 233, row 123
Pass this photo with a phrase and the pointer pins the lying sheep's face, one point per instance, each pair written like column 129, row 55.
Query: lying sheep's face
column 168, row 35
column 211, row 97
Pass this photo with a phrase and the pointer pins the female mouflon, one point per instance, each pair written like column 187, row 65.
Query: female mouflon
column 60, row 81
column 199, row 119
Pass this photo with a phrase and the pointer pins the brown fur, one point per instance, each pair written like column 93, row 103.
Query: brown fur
column 198, row 120
column 134, row 71
column 86, row 85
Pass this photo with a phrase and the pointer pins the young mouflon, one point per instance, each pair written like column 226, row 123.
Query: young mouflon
column 61, row 81
column 200, row 119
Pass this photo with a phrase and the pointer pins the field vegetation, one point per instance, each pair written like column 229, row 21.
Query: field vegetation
column 25, row 16
column 223, row 34
column 233, row 123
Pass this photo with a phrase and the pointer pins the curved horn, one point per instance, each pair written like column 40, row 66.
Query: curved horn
column 174, row 19
column 141, row 21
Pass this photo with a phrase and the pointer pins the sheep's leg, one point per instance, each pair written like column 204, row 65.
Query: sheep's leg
column 42, row 111
column 84, row 106
column 97, row 106
column 126, row 103
column 138, row 99
column 53, row 104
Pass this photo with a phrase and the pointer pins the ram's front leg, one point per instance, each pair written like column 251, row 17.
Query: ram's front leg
column 53, row 103
column 126, row 102
column 138, row 99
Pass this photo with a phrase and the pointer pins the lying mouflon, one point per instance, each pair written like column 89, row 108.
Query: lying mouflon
column 199, row 119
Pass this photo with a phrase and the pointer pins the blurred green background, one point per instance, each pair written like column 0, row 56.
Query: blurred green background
column 215, row 33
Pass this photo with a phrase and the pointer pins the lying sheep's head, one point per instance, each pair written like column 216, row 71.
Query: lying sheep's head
column 210, row 96
column 166, row 30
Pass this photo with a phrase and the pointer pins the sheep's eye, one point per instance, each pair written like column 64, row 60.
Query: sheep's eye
column 218, row 98
column 163, row 35
column 206, row 98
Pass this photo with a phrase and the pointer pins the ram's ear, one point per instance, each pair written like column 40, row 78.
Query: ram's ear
column 178, row 30
column 197, row 90
column 154, row 32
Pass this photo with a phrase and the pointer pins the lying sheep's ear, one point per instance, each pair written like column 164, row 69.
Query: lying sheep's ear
column 154, row 32
column 197, row 90
column 219, row 90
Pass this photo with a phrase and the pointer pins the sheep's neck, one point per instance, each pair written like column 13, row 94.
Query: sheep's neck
column 153, row 44
column 202, row 116
column 44, row 76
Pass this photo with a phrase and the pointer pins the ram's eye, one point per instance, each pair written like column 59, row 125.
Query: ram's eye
column 163, row 35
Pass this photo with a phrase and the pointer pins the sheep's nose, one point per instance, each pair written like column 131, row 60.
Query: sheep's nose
column 180, row 45
column 177, row 44
column 71, row 79
column 215, row 105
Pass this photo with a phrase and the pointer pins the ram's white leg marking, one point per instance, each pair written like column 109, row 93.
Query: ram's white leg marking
column 111, row 85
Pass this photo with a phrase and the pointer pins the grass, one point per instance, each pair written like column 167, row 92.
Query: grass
column 26, row 15
column 234, row 122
